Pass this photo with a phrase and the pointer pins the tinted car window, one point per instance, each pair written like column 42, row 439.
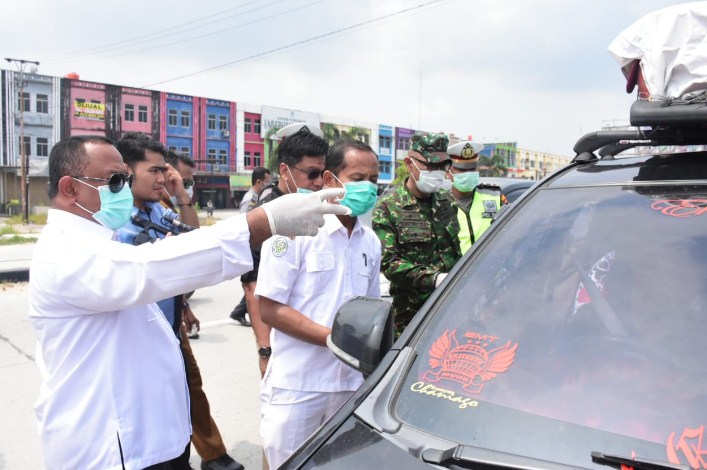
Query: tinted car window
column 573, row 332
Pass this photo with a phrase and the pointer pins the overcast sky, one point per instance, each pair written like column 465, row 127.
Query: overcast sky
column 531, row 71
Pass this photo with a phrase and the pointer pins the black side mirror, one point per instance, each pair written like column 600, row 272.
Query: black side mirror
column 362, row 333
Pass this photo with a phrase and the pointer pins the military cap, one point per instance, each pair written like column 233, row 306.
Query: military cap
column 431, row 146
column 291, row 129
column 465, row 155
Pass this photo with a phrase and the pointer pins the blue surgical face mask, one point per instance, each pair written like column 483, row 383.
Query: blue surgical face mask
column 116, row 208
column 299, row 190
column 360, row 196
column 466, row 182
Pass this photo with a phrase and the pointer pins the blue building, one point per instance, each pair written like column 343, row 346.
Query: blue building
column 177, row 119
column 386, row 155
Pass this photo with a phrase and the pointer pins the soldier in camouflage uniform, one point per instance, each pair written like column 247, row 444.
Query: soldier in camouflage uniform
column 418, row 228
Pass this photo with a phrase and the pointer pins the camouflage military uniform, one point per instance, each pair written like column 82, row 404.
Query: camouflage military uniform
column 420, row 240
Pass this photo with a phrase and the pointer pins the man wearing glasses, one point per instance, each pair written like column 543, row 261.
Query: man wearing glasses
column 114, row 392
column 300, row 164
column 418, row 228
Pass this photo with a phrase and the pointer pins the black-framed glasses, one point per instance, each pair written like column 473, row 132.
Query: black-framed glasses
column 435, row 166
column 188, row 183
column 115, row 182
column 312, row 173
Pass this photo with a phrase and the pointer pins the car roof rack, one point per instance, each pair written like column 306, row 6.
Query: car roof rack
column 663, row 122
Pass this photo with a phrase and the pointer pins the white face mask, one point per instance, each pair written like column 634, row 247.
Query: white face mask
column 175, row 201
column 430, row 181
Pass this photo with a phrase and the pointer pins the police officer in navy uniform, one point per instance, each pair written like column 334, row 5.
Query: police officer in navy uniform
column 477, row 203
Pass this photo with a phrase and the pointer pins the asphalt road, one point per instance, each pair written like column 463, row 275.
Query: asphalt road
column 225, row 351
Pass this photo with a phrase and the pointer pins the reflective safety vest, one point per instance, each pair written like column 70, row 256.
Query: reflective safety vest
column 486, row 201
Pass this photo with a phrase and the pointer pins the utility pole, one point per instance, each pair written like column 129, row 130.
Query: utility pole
column 419, row 100
column 24, row 167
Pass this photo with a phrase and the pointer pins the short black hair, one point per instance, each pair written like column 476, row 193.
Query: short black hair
column 69, row 157
column 258, row 174
column 299, row 145
column 335, row 157
column 132, row 147
column 173, row 158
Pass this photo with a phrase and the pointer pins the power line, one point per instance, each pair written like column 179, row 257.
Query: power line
column 162, row 33
column 295, row 44
column 212, row 33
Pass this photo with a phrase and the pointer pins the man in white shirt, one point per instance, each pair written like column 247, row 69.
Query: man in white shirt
column 103, row 343
column 258, row 179
column 301, row 284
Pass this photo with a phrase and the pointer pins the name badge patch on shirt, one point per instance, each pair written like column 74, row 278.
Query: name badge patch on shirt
column 490, row 209
column 279, row 246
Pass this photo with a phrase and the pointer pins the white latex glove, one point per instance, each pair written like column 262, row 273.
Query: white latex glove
column 438, row 280
column 297, row 214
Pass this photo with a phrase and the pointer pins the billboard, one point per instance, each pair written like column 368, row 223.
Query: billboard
column 276, row 118
column 87, row 110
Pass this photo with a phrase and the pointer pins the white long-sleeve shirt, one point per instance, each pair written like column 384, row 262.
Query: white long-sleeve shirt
column 113, row 388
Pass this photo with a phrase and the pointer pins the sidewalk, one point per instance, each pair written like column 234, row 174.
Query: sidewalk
column 15, row 259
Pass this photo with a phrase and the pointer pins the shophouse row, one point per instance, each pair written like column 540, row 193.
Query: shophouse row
column 225, row 139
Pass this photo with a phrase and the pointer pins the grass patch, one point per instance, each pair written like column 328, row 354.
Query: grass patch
column 36, row 219
column 16, row 240
column 7, row 230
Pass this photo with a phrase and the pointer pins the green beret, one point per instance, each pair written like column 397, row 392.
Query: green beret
column 431, row 146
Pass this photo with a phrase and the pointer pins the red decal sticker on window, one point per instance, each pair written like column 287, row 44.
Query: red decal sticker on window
column 470, row 364
column 681, row 207
column 689, row 444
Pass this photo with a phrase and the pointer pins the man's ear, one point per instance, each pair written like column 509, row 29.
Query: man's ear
column 329, row 180
column 284, row 174
column 67, row 188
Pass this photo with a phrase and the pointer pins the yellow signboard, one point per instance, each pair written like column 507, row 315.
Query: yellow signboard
column 86, row 110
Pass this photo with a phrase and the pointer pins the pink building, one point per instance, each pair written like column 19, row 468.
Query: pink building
column 253, row 148
column 85, row 107
column 137, row 110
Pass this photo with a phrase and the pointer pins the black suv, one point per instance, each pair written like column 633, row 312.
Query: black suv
column 569, row 336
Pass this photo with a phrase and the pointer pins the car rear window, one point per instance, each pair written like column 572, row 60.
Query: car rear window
column 579, row 326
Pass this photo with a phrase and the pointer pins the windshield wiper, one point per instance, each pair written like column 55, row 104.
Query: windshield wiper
column 618, row 461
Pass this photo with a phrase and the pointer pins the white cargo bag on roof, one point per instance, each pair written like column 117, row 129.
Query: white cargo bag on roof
column 672, row 46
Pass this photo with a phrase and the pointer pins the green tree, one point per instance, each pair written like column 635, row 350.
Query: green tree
column 492, row 166
column 331, row 132
column 356, row 132
column 401, row 172
column 271, row 145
